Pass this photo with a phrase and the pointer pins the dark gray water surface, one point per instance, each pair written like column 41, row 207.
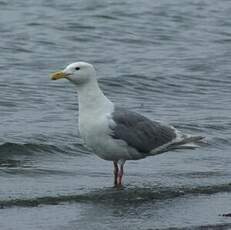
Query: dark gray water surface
column 169, row 60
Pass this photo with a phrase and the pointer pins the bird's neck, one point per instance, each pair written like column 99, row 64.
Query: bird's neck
column 92, row 99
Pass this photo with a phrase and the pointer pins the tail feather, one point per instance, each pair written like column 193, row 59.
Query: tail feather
column 185, row 142
column 189, row 139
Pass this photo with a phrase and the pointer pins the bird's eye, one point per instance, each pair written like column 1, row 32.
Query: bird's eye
column 77, row 68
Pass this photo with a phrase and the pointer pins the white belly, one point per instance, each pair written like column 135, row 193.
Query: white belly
column 96, row 136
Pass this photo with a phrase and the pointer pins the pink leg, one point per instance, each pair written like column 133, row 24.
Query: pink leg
column 120, row 173
column 116, row 169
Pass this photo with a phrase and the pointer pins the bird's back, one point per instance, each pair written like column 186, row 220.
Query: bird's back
column 139, row 132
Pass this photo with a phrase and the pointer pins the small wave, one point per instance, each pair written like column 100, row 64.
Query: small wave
column 117, row 196
column 11, row 163
column 225, row 226
column 11, row 149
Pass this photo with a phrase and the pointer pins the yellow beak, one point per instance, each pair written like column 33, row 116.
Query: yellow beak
column 58, row 75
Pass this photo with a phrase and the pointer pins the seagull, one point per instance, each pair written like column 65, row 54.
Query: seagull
column 114, row 133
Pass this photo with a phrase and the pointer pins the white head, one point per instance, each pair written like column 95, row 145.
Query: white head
column 78, row 73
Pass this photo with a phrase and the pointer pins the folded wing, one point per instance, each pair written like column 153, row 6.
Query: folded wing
column 139, row 132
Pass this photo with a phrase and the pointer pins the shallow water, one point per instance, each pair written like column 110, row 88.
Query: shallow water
column 168, row 60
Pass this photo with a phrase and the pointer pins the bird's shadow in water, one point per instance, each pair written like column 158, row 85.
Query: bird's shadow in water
column 131, row 194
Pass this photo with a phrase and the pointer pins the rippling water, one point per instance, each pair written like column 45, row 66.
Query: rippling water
column 169, row 60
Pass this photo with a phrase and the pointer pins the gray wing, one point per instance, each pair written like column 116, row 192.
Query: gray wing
column 139, row 132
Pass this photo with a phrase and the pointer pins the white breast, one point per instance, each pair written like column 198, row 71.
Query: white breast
column 96, row 133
